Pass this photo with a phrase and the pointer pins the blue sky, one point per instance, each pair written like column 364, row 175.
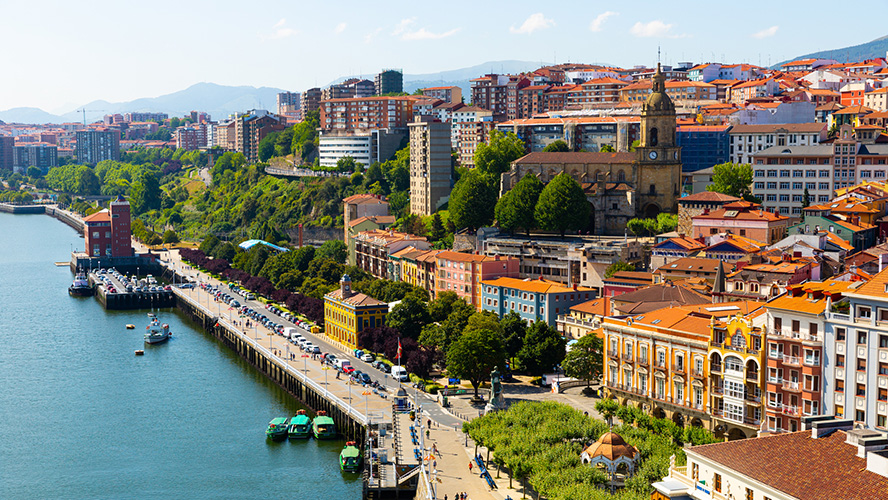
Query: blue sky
column 59, row 54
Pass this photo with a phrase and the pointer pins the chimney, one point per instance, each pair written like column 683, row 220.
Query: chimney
column 541, row 277
column 821, row 428
column 575, row 287
column 777, row 212
column 705, row 211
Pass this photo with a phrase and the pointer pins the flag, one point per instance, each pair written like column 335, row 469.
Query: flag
column 399, row 351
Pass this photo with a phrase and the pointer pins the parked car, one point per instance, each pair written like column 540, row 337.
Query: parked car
column 364, row 378
column 379, row 365
column 400, row 373
column 366, row 357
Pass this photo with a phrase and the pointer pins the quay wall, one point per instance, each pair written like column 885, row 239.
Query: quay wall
column 21, row 209
column 349, row 422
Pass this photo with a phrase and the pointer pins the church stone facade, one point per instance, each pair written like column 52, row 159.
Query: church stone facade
column 624, row 185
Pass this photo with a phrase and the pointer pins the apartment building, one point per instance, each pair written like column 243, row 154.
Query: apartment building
column 388, row 81
column 40, row 155
column 347, row 313
column 742, row 218
column 743, row 92
column 499, row 94
column 676, row 90
column 430, row 165
column 94, row 146
column 374, row 248
column 581, row 132
column 145, row 117
column 251, row 128
column 351, row 88
column 583, row 319
column 877, row 100
column 463, row 273
column 747, row 140
column 702, row 146
column 7, row 152
column 595, row 92
column 533, row 299
column 310, row 100
column 191, row 137
column 446, row 94
column 855, row 354
column 795, row 332
column 366, row 113
column 362, row 205
column 365, row 146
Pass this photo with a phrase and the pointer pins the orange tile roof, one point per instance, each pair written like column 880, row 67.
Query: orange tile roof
column 537, row 286
column 356, row 299
column 690, row 264
column 684, row 242
column 600, row 307
column 468, row 257
column 100, row 216
column 875, row 287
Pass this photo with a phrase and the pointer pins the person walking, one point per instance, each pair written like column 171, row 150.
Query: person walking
column 470, row 467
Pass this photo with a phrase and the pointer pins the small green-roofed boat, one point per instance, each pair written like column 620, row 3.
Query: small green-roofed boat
column 277, row 428
column 323, row 426
column 350, row 457
column 300, row 426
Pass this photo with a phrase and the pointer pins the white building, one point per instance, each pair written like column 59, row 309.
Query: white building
column 746, row 140
column 366, row 147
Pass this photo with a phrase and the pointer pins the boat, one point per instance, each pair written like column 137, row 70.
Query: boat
column 323, row 426
column 157, row 333
column 277, row 428
column 300, row 426
column 81, row 287
column 130, row 326
column 350, row 457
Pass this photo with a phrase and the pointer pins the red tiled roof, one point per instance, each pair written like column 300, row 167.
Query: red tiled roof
column 575, row 157
column 814, row 469
column 710, row 196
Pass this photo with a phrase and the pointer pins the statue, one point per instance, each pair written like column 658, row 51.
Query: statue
column 496, row 400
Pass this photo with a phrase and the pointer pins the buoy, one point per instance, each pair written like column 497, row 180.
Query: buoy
column 130, row 326
column 140, row 352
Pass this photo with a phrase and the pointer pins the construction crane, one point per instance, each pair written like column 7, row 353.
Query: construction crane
column 84, row 111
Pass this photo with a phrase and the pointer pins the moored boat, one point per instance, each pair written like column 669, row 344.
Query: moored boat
column 300, row 426
column 350, row 457
column 323, row 426
column 81, row 287
column 156, row 332
column 277, row 428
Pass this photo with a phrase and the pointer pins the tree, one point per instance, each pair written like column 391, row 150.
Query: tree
column 35, row 172
column 346, row 164
column 607, row 148
column 806, row 199
column 437, row 232
column 543, row 349
column 170, row 236
column 409, row 316
column 518, row 209
column 266, row 146
column 497, row 155
column 514, row 331
column 472, row 201
column 558, row 146
column 731, row 179
column 666, row 222
column 585, row 360
column 562, row 205
column 474, row 355
column 334, row 250
column 607, row 408
column 617, row 267
column 146, row 193
column 636, row 225
column 88, row 182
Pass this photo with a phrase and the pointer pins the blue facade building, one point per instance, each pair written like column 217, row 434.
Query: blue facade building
column 703, row 146
column 532, row 299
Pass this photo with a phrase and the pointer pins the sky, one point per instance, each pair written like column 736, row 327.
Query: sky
column 58, row 55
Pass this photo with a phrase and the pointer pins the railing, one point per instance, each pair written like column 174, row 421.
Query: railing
column 715, row 367
column 753, row 376
column 753, row 399
column 678, row 369
column 795, row 335
column 642, row 361
column 789, row 410
column 627, row 357
column 578, row 322
column 718, row 389
column 613, row 353
column 838, row 316
column 812, row 361
column 790, row 386
column 791, row 360
column 697, row 373
column 658, row 366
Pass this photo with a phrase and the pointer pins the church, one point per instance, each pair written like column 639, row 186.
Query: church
column 623, row 185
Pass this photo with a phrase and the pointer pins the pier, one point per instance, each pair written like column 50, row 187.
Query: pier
column 122, row 299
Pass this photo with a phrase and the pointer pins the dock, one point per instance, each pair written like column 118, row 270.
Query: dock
column 121, row 299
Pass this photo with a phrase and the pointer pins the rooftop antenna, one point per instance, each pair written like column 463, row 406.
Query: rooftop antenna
column 658, row 54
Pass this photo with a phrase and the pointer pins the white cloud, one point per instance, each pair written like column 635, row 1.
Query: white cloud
column 766, row 32
column 403, row 25
column 596, row 23
column 279, row 30
column 368, row 38
column 533, row 23
column 339, row 28
column 423, row 34
column 655, row 28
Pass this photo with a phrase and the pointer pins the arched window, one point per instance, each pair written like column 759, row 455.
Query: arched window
column 653, row 137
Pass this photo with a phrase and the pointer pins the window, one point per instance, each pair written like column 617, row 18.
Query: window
column 840, row 386
column 717, row 482
column 749, row 494
column 883, row 368
column 861, row 336
column 860, row 416
column 861, row 365
column 840, row 360
column 772, row 185
column 883, row 394
column 784, row 185
column 840, row 334
column 863, row 312
column 880, row 420
column 797, row 185
column 861, row 390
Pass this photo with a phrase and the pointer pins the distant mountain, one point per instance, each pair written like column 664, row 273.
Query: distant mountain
column 869, row 50
column 217, row 100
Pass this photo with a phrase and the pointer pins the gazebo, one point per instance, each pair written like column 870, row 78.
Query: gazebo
column 613, row 453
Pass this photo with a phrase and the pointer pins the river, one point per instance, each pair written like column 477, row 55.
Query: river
column 81, row 417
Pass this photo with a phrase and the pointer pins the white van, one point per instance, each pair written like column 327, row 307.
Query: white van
column 288, row 332
column 400, row 373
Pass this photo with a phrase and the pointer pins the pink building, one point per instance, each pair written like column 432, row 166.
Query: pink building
column 463, row 273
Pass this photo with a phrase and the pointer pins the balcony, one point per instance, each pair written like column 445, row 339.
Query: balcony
column 697, row 373
column 715, row 368
column 642, row 361
column 659, row 366
column 718, row 389
column 791, row 386
column 788, row 334
column 613, row 353
column 753, row 399
column 792, row 360
column 678, row 369
column 838, row 317
column 627, row 357
column 752, row 376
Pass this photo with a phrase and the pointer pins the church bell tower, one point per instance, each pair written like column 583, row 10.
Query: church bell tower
column 658, row 154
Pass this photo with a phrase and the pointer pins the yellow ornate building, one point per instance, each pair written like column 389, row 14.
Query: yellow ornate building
column 347, row 313
column 736, row 358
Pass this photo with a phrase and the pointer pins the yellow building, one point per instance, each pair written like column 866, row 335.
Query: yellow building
column 347, row 313
column 584, row 318
column 736, row 361
column 659, row 361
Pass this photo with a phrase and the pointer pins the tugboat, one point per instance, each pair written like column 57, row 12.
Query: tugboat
column 350, row 457
column 323, row 426
column 81, row 287
column 157, row 333
column 300, row 426
column 277, row 429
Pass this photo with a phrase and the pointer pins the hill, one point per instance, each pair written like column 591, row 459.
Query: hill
column 864, row 51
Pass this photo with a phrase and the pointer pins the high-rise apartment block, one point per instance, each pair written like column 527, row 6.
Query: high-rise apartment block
column 430, row 165
column 350, row 88
column 288, row 105
column 7, row 156
column 310, row 100
column 251, row 128
column 145, row 117
column 448, row 94
column 191, row 137
column 388, row 81
column 366, row 113
column 94, row 146
column 43, row 156
column 498, row 93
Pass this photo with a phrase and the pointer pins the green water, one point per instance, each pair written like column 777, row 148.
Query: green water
column 82, row 417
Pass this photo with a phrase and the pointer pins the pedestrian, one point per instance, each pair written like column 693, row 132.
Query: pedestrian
column 429, row 423
column 470, row 467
